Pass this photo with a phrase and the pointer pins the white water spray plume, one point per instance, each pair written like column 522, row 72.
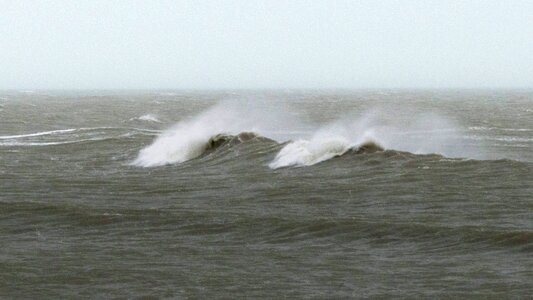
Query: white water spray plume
column 420, row 134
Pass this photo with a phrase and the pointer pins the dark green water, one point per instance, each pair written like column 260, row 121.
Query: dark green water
column 445, row 210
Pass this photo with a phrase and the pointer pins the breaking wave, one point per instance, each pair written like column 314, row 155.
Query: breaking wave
column 191, row 138
column 297, row 153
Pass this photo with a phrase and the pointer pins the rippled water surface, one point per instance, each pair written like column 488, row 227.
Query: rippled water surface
column 266, row 194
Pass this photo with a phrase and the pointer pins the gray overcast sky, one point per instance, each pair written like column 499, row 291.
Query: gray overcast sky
column 265, row 44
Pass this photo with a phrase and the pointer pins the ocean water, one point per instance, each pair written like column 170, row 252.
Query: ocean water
column 274, row 194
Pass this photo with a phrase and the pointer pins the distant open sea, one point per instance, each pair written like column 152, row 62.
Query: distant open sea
column 266, row 194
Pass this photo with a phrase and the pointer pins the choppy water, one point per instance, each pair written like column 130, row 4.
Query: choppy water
column 129, row 194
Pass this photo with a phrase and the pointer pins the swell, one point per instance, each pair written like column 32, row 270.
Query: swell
column 432, row 237
column 264, row 231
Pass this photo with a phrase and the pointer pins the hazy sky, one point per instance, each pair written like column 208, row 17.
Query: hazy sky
column 265, row 44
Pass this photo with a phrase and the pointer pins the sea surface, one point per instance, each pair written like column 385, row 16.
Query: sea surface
column 266, row 194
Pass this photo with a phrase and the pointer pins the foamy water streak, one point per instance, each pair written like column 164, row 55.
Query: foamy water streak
column 72, row 136
column 5, row 137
